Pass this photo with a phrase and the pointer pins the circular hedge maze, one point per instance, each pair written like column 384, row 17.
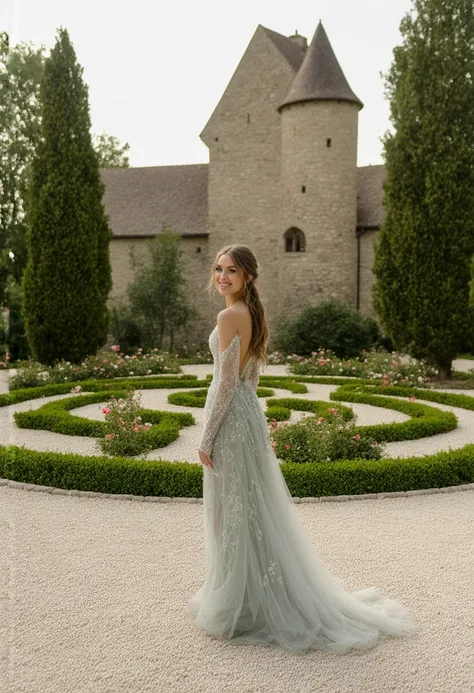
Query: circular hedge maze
column 150, row 477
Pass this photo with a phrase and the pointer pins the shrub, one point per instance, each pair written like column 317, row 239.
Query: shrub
column 124, row 433
column 124, row 328
column 373, row 365
column 278, row 413
column 111, row 363
column 330, row 325
column 321, row 439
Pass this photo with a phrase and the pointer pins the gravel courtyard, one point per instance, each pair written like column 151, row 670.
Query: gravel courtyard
column 92, row 588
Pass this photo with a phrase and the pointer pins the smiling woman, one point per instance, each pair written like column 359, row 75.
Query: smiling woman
column 265, row 583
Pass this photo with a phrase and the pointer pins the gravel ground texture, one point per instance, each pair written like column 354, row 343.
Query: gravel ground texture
column 93, row 594
column 93, row 589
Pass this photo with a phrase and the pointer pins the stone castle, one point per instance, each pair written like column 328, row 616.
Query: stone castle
column 282, row 178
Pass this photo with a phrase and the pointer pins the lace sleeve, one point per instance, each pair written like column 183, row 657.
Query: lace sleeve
column 253, row 374
column 229, row 361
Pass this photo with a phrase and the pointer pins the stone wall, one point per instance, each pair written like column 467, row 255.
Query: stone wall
column 244, row 140
column 196, row 266
column 319, row 196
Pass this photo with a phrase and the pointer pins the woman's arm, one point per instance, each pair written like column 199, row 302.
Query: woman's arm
column 229, row 364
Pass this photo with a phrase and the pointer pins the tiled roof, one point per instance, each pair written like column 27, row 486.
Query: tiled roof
column 320, row 76
column 139, row 200
column 370, row 211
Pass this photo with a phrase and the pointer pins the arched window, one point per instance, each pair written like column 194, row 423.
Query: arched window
column 295, row 241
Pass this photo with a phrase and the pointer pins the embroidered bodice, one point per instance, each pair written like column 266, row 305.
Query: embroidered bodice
column 226, row 378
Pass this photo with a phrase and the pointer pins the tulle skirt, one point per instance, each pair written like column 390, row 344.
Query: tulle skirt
column 265, row 583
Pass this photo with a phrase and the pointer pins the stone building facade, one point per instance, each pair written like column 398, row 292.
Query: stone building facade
column 282, row 178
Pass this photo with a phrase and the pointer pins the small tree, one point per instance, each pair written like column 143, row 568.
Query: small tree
column 111, row 152
column 157, row 296
column 68, row 275
column 424, row 250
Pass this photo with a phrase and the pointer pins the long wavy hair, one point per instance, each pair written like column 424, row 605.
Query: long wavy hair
column 245, row 260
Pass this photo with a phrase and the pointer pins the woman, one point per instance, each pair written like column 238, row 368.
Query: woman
column 265, row 583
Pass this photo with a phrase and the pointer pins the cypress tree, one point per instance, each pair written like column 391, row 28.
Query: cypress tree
column 67, row 278
column 424, row 250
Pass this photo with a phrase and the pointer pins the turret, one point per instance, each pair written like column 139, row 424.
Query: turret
column 319, row 122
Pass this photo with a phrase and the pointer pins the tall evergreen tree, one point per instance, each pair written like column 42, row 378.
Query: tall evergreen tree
column 424, row 251
column 68, row 275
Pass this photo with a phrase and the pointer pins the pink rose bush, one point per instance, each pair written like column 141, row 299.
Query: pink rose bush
column 322, row 439
column 108, row 363
column 391, row 369
column 124, row 432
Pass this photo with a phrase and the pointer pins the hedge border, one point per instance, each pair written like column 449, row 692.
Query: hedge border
column 160, row 478
column 426, row 421
column 454, row 468
column 56, row 417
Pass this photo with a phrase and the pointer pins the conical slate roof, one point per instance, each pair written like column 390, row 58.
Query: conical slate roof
column 320, row 77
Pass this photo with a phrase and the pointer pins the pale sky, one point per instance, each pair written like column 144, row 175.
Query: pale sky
column 156, row 70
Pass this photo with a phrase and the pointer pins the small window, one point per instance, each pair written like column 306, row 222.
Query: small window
column 303, row 188
column 328, row 142
column 295, row 241
column 198, row 249
column 217, row 139
column 248, row 117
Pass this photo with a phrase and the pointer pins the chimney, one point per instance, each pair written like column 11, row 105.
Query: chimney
column 300, row 40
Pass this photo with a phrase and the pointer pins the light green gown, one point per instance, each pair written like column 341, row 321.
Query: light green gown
column 265, row 583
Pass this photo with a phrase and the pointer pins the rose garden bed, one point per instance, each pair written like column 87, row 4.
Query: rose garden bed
column 182, row 479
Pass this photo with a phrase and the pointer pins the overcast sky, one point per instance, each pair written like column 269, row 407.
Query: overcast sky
column 156, row 70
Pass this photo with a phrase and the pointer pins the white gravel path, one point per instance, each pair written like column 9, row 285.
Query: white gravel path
column 92, row 589
column 93, row 592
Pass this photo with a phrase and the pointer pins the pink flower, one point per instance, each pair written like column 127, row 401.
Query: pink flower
column 105, row 361
column 287, row 446
column 357, row 437
column 109, row 436
column 136, row 428
column 105, row 410
column 413, row 399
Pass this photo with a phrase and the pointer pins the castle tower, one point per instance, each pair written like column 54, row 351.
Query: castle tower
column 317, row 255
column 244, row 140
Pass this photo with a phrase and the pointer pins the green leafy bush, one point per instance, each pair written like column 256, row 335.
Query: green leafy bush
column 124, row 432
column 330, row 325
column 278, row 413
column 124, row 328
column 111, row 363
column 160, row 478
column 317, row 439
column 373, row 365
